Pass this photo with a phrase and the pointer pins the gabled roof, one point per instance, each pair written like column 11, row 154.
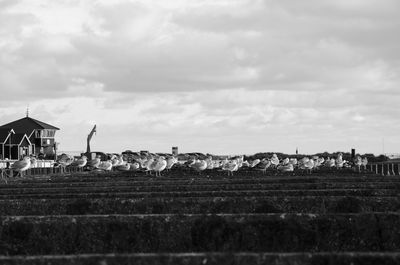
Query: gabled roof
column 27, row 124
column 3, row 134
column 18, row 138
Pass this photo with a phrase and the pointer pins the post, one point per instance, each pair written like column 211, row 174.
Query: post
column 383, row 170
column 9, row 148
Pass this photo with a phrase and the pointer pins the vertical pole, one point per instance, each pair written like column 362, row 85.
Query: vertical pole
column 9, row 148
column 376, row 169
column 383, row 172
column 393, row 170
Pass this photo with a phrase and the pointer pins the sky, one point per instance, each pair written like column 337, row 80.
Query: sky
column 212, row 76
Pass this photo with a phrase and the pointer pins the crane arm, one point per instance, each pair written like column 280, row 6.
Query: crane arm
column 90, row 138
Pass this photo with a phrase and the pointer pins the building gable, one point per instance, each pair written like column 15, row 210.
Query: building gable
column 4, row 134
column 26, row 125
column 25, row 141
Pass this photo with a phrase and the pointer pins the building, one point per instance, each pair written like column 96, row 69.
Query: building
column 174, row 150
column 27, row 136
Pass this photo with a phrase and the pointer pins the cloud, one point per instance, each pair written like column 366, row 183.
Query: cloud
column 262, row 74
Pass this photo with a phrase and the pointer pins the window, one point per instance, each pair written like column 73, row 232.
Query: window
column 47, row 133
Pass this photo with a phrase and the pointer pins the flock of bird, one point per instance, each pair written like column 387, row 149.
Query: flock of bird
column 150, row 163
column 158, row 163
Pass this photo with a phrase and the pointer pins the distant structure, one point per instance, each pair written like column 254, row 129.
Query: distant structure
column 174, row 150
column 297, row 151
column 353, row 153
column 27, row 136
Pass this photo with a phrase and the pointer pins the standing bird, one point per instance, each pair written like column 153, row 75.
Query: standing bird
column 274, row 160
column 134, row 166
column 231, row 166
column 63, row 161
column 339, row 161
column 79, row 163
column 198, row 165
column 254, row 163
column 263, row 165
column 94, row 163
column 21, row 165
column 286, row 167
column 307, row 164
column 358, row 162
column 171, row 161
column 364, row 163
column 105, row 165
column 160, row 165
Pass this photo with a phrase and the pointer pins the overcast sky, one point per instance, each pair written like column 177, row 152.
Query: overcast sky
column 218, row 76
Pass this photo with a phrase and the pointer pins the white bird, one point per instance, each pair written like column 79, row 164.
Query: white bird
column 160, row 165
column 33, row 162
column 21, row 165
column 254, row 163
column 309, row 165
column 364, row 163
column 286, row 168
column 274, row 160
column 210, row 162
column 231, row 166
column 105, row 165
column 64, row 160
column 3, row 165
column 303, row 161
column 245, row 164
column 116, row 160
column 171, row 161
column 79, row 163
column 263, row 165
column 148, row 164
column 358, row 162
column 285, row 161
column 339, row 161
column 198, row 165
column 94, row 163
column 134, row 166
column 123, row 167
column 293, row 161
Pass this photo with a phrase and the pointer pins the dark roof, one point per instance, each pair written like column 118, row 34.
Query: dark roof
column 3, row 134
column 27, row 125
column 17, row 138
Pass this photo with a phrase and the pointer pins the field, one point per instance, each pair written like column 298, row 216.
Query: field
column 327, row 217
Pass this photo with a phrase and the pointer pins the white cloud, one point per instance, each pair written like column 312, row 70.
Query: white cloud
column 262, row 74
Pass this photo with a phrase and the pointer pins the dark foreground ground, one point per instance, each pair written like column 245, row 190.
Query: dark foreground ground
column 327, row 217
